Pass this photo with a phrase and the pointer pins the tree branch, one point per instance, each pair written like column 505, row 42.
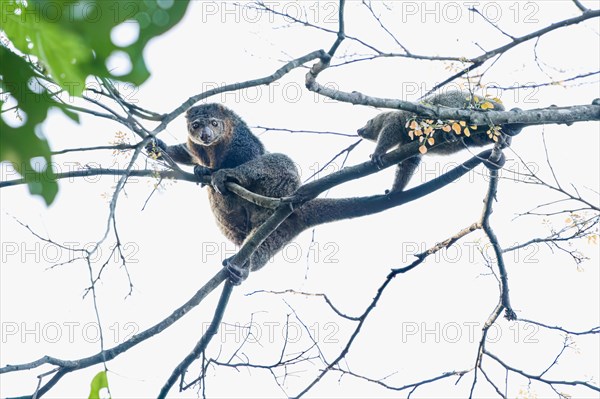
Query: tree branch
column 65, row 366
column 541, row 379
column 485, row 222
column 478, row 61
column 541, row 116
column 278, row 74
column 202, row 344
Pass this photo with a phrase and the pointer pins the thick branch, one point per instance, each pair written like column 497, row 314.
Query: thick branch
column 533, row 117
column 556, row 115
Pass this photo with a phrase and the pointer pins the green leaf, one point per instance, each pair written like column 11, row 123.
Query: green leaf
column 59, row 50
column 73, row 38
column 100, row 381
column 20, row 145
column 67, row 41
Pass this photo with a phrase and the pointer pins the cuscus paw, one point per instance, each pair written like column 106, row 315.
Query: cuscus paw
column 237, row 274
column 218, row 180
column 201, row 171
column 155, row 147
column 376, row 159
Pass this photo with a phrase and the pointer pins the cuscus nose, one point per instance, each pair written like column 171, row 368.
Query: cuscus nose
column 206, row 135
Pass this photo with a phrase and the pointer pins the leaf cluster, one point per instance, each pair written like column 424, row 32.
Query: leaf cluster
column 424, row 129
column 55, row 47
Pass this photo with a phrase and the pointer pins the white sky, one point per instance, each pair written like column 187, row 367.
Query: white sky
column 170, row 244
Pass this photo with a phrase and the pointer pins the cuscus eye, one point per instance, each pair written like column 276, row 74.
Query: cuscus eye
column 214, row 123
column 195, row 125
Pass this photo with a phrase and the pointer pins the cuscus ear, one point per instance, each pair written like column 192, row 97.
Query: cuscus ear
column 191, row 112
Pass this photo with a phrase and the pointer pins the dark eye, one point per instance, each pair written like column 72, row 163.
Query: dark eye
column 195, row 125
column 214, row 123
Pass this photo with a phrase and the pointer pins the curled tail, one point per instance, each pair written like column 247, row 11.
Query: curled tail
column 326, row 210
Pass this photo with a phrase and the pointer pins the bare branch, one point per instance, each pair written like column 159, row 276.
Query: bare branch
column 262, row 5
column 308, row 294
column 476, row 11
column 580, row 6
column 202, row 344
column 505, row 299
column 394, row 273
column 540, row 378
column 594, row 330
column 552, row 83
column 278, row 74
column 66, row 366
column 281, row 129
column 118, row 147
column 478, row 61
column 345, row 151
column 413, row 386
column 541, row 116
column 369, row 6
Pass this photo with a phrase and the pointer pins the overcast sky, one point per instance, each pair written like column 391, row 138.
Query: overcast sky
column 430, row 319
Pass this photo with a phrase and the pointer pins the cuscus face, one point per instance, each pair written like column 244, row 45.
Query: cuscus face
column 371, row 130
column 206, row 123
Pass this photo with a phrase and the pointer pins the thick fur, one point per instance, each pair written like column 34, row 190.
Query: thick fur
column 228, row 144
column 389, row 130
column 220, row 142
